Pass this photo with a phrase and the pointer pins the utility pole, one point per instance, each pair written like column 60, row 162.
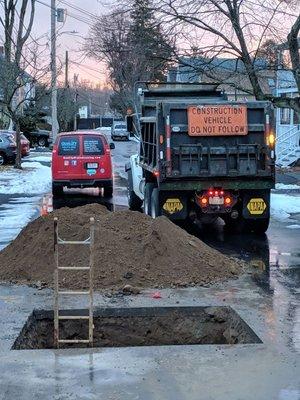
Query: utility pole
column 75, row 101
column 53, row 72
column 67, row 70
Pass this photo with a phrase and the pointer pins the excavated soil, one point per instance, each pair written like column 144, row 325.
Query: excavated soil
column 132, row 250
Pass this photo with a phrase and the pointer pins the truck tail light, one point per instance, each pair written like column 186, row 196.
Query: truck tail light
column 227, row 201
column 204, row 201
column 269, row 134
column 271, row 140
column 156, row 173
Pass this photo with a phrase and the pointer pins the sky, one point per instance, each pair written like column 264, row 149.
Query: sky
column 80, row 15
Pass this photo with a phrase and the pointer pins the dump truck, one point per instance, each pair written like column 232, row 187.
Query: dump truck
column 202, row 156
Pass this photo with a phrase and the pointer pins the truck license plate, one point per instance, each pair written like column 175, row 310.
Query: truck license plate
column 216, row 200
column 92, row 165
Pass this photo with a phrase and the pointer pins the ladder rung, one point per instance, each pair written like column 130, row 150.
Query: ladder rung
column 73, row 242
column 75, row 292
column 73, row 341
column 73, row 317
column 74, row 268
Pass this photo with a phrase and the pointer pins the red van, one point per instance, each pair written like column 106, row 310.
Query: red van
column 80, row 160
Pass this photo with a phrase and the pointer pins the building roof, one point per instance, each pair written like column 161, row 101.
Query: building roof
column 230, row 72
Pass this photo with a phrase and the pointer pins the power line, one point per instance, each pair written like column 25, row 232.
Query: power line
column 89, row 68
column 71, row 15
column 81, row 10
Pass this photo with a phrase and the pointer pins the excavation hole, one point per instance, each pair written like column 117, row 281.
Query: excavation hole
column 118, row 327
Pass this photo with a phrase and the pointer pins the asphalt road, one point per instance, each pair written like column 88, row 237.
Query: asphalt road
column 275, row 254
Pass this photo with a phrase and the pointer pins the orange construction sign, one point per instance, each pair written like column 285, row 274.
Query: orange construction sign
column 217, row 120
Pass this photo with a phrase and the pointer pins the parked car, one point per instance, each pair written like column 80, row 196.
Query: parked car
column 119, row 130
column 8, row 149
column 39, row 137
column 82, row 159
column 25, row 144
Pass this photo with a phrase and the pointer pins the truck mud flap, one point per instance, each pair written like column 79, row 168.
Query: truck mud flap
column 173, row 205
column 256, row 204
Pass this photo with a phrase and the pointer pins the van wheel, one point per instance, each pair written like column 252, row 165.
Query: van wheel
column 147, row 197
column 57, row 190
column 155, row 211
column 108, row 191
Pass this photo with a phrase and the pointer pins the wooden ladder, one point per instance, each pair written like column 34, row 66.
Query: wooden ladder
column 57, row 316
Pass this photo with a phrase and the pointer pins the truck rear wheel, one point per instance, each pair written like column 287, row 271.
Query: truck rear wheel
column 259, row 226
column 235, row 225
column 147, row 197
column 155, row 211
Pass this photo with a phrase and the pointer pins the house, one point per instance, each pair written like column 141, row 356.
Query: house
column 22, row 96
column 287, row 122
column 229, row 72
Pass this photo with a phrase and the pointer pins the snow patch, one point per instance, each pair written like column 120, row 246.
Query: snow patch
column 13, row 218
column 294, row 226
column 283, row 186
column 35, row 178
column 41, row 158
column 283, row 205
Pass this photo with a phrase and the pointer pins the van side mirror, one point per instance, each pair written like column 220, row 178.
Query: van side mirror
column 112, row 146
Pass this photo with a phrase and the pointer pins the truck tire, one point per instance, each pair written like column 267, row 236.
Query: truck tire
column 259, row 226
column 147, row 197
column 155, row 210
column 134, row 202
column 57, row 190
column 235, row 225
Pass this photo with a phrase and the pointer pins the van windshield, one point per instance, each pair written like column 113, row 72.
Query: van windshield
column 93, row 146
column 68, row 146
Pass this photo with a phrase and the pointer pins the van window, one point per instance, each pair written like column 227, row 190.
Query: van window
column 93, row 145
column 120, row 126
column 68, row 146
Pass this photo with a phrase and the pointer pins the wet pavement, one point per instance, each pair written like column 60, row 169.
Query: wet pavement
column 267, row 297
column 17, row 209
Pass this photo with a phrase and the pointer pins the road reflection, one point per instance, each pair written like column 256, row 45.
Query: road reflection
column 250, row 247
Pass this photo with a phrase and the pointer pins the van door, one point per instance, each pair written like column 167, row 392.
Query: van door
column 68, row 162
column 94, row 165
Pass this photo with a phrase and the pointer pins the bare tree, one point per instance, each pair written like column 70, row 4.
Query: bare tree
column 18, row 67
column 133, row 45
column 236, row 29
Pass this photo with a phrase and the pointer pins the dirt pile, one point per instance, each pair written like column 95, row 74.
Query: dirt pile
column 130, row 248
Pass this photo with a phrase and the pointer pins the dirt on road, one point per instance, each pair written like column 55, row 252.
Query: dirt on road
column 130, row 249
